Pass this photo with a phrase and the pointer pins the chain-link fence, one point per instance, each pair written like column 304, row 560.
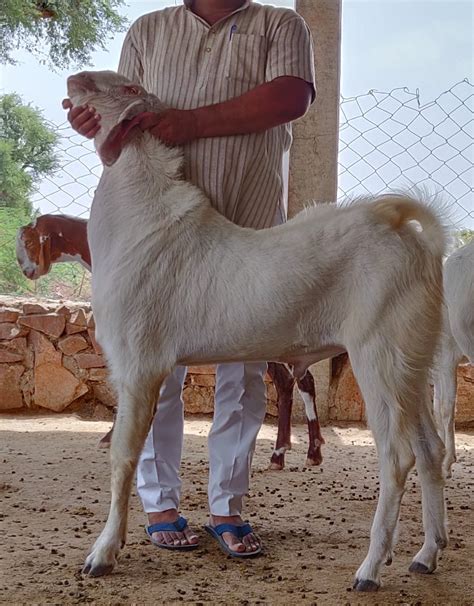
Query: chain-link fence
column 388, row 140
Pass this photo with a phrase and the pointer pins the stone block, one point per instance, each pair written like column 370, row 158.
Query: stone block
column 465, row 396
column 8, row 330
column 72, row 329
column 34, row 308
column 202, row 380
column 90, row 320
column 56, row 387
column 198, row 400
column 63, row 311
column 49, row 324
column 9, row 314
column 202, row 370
column 95, row 345
column 345, row 400
column 10, row 357
column 72, row 344
column 78, row 317
column 19, row 344
column 10, row 391
column 42, row 346
column 105, row 393
column 98, row 374
column 89, row 360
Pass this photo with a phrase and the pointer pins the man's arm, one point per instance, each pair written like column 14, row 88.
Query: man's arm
column 270, row 104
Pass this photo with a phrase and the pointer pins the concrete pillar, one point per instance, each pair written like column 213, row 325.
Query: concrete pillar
column 313, row 155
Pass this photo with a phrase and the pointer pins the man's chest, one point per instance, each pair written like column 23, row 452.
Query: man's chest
column 191, row 63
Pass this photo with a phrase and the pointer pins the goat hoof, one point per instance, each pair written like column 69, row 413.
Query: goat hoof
column 97, row 571
column 313, row 461
column 419, row 568
column 98, row 565
column 275, row 466
column 365, row 585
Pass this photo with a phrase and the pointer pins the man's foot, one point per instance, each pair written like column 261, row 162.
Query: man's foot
column 250, row 543
column 171, row 538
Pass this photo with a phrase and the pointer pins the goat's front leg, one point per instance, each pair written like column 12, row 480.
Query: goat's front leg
column 284, row 382
column 307, row 390
column 136, row 406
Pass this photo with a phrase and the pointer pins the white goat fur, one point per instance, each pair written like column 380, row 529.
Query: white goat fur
column 457, row 342
column 174, row 282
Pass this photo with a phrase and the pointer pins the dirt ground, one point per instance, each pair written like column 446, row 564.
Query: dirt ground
column 314, row 522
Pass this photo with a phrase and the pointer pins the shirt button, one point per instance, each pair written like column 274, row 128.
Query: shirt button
column 208, row 50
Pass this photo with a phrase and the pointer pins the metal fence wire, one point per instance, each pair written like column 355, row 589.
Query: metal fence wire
column 387, row 140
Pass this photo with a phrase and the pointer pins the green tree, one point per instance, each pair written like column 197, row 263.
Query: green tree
column 27, row 151
column 12, row 280
column 59, row 33
column 466, row 235
column 27, row 154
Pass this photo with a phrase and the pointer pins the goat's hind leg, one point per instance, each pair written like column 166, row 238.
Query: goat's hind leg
column 429, row 452
column 136, row 406
column 395, row 461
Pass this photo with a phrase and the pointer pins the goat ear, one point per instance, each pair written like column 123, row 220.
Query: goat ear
column 45, row 255
column 121, row 133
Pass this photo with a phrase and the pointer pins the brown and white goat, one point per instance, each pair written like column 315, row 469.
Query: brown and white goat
column 52, row 239
column 366, row 282
column 56, row 238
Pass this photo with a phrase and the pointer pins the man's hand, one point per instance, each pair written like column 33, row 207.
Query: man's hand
column 172, row 126
column 83, row 119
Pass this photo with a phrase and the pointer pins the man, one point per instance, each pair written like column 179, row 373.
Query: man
column 234, row 74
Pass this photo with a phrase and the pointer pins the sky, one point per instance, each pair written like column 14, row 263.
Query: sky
column 424, row 45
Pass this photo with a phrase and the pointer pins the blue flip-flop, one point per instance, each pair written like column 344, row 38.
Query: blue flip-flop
column 178, row 526
column 238, row 531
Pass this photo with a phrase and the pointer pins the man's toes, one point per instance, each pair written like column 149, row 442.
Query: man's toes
column 233, row 542
column 190, row 537
column 175, row 538
column 168, row 538
column 251, row 542
column 158, row 537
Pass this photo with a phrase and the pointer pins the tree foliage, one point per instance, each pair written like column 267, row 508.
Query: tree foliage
column 466, row 235
column 27, row 151
column 12, row 280
column 59, row 33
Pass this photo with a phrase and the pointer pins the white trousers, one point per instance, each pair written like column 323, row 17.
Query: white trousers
column 239, row 411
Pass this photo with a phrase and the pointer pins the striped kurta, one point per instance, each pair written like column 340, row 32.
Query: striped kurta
column 187, row 63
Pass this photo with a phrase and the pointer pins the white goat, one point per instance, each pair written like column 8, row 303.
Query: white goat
column 175, row 282
column 457, row 342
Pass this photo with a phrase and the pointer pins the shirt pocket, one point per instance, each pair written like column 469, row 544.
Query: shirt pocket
column 246, row 58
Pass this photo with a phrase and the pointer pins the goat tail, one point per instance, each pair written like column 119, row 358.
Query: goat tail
column 398, row 209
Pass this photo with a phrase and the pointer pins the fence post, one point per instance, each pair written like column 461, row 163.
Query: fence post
column 313, row 155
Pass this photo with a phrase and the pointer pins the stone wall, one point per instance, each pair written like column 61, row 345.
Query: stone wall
column 49, row 358
column 346, row 403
